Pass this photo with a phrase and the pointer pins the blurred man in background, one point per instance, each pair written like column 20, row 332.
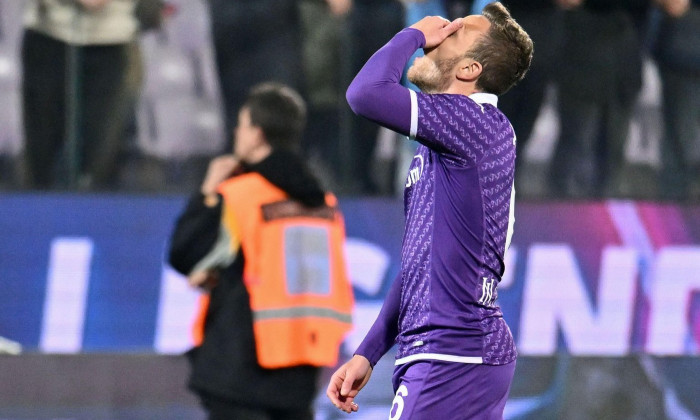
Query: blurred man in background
column 599, row 79
column 324, row 31
column 78, row 90
column 372, row 23
column 678, row 55
column 254, row 41
column 266, row 244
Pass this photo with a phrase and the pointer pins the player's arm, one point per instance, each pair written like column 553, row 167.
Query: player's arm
column 352, row 376
column 376, row 92
column 195, row 234
column 674, row 8
column 382, row 335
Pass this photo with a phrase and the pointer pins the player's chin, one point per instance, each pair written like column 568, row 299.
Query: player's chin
column 413, row 73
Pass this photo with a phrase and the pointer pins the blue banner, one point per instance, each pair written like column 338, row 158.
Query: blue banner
column 86, row 273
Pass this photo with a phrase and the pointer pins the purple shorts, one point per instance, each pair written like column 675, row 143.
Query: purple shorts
column 432, row 389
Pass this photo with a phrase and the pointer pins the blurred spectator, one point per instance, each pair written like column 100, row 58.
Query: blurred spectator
column 542, row 21
column 266, row 243
column 372, row 24
column 323, row 28
column 78, row 89
column 678, row 57
column 599, row 79
column 254, row 41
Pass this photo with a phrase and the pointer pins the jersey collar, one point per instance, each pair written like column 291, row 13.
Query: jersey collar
column 484, row 98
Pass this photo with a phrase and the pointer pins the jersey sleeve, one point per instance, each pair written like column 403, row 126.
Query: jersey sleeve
column 382, row 335
column 376, row 92
column 450, row 124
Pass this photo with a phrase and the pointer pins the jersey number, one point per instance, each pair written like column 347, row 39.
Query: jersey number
column 397, row 404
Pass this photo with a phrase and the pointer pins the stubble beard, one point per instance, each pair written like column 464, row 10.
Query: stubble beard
column 430, row 76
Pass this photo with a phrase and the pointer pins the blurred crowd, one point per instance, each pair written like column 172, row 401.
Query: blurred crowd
column 138, row 95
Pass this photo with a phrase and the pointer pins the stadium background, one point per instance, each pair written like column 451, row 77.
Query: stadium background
column 602, row 296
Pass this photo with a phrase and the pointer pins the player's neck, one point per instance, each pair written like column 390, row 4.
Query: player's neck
column 462, row 88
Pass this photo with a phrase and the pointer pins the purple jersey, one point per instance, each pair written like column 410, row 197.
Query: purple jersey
column 459, row 213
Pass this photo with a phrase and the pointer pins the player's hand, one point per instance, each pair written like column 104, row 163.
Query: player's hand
column 674, row 8
column 94, row 5
column 220, row 168
column 436, row 29
column 205, row 280
column 339, row 7
column 347, row 382
column 569, row 4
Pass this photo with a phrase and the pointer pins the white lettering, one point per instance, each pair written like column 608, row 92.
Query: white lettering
column 555, row 296
column 415, row 173
column 176, row 311
column 367, row 264
column 676, row 278
column 66, row 292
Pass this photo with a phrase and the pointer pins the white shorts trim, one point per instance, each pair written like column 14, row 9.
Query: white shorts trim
column 442, row 357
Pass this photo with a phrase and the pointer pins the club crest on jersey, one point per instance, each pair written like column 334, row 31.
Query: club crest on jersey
column 415, row 172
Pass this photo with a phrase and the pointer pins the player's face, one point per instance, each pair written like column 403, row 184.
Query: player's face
column 431, row 76
column 436, row 70
column 248, row 136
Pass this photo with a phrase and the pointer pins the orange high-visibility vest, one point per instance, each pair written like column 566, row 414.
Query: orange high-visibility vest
column 295, row 272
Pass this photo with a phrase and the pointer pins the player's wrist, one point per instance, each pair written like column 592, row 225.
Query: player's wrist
column 364, row 359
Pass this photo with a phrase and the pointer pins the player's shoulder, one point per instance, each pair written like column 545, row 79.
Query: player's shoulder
column 481, row 102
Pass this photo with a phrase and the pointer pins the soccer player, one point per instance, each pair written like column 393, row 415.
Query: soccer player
column 456, row 355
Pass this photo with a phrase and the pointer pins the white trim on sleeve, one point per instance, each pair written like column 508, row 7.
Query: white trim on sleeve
column 414, row 114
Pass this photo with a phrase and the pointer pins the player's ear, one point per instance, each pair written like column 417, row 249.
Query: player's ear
column 469, row 70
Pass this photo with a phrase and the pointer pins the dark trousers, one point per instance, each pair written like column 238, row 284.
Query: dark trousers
column 220, row 409
column 523, row 102
column 89, row 105
column 680, row 147
column 598, row 80
column 254, row 42
column 372, row 25
column 589, row 155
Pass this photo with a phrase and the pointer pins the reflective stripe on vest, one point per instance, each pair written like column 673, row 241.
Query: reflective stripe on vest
column 301, row 312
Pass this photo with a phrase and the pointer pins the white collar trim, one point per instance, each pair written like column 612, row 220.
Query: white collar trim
column 484, row 98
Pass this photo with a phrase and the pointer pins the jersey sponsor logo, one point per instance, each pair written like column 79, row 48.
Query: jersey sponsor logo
column 415, row 172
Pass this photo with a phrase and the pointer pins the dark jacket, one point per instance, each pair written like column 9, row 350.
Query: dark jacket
column 225, row 365
column 678, row 45
column 602, row 51
column 518, row 7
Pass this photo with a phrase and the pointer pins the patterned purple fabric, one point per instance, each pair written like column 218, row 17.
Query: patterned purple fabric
column 457, row 203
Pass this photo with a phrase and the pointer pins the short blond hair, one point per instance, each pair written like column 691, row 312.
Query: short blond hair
column 505, row 52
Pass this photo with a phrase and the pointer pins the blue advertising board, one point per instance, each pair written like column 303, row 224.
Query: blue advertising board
column 86, row 273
